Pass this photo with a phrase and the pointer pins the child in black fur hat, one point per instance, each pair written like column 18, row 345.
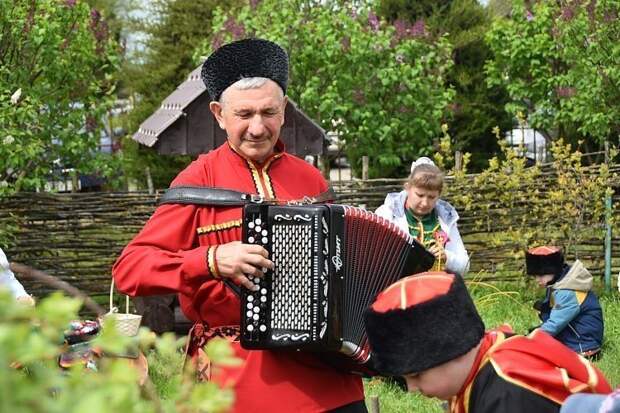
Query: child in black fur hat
column 425, row 328
column 570, row 310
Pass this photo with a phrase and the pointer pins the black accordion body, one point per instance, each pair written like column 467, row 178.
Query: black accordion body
column 330, row 262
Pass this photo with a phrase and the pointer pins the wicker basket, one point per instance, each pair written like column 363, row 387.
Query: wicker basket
column 127, row 324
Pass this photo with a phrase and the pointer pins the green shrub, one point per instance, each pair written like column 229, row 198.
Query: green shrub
column 31, row 337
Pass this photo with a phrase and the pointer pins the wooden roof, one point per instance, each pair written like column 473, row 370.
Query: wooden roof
column 184, row 125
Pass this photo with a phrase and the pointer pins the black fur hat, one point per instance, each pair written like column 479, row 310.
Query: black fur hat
column 544, row 260
column 244, row 58
column 420, row 322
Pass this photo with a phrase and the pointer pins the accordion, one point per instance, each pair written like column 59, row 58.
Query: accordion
column 330, row 262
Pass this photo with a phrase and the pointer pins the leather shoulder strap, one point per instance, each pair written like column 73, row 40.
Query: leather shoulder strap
column 202, row 195
column 199, row 195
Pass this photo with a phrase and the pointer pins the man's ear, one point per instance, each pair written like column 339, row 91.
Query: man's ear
column 284, row 103
column 216, row 109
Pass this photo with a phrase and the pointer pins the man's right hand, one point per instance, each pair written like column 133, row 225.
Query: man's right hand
column 236, row 261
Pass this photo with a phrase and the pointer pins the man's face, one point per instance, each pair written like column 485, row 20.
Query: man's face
column 543, row 280
column 252, row 119
column 421, row 200
column 443, row 381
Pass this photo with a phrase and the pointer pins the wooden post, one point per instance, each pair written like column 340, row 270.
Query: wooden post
column 540, row 158
column 374, row 405
column 364, row 167
column 149, row 180
column 608, row 234
column 74, row 180
column 458, row 161
column 323, row 165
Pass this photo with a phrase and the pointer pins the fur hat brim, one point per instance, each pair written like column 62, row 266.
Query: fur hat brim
column 543, row 264
column 243, row 59
column 414, row 339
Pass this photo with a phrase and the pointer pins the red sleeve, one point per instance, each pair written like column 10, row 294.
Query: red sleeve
column 162, row 259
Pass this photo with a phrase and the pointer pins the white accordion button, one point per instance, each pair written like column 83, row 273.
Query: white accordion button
column 250, row 327
column 251, row 240
column 263, row 328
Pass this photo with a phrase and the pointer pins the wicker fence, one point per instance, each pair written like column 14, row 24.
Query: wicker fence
column 78, row 236
column 479, row 223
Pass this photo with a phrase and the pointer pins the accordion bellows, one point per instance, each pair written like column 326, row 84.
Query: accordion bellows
column 330, row 263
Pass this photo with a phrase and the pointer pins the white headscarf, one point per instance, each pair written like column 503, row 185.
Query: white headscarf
column 421, row 161
column 4, row 263
column 7, row 278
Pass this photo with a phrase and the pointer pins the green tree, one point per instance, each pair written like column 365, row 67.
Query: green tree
column 559, row 63
column 476, row 108
column 380, row 87
column 411, row 10
column 56, row 81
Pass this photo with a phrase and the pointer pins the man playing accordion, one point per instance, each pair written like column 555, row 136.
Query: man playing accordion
column 191, row 250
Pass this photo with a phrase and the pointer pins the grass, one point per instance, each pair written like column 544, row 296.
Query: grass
column 497, row 303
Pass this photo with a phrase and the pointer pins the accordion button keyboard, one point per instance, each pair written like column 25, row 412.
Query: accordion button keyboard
column 256, row 308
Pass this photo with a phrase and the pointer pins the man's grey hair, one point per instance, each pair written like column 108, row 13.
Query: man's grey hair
column 247, row 83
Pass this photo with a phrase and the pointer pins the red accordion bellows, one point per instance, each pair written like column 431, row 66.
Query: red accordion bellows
column 330, row 262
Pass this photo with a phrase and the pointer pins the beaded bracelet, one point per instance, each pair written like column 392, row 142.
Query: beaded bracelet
column 211, row 261
column 215, row 267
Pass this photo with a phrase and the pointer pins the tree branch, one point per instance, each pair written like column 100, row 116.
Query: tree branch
column 26, row 272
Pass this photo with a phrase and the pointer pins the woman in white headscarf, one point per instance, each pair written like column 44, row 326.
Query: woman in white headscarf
column 418, row 210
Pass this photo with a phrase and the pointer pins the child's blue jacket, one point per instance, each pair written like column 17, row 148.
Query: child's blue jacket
column 571, row 312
